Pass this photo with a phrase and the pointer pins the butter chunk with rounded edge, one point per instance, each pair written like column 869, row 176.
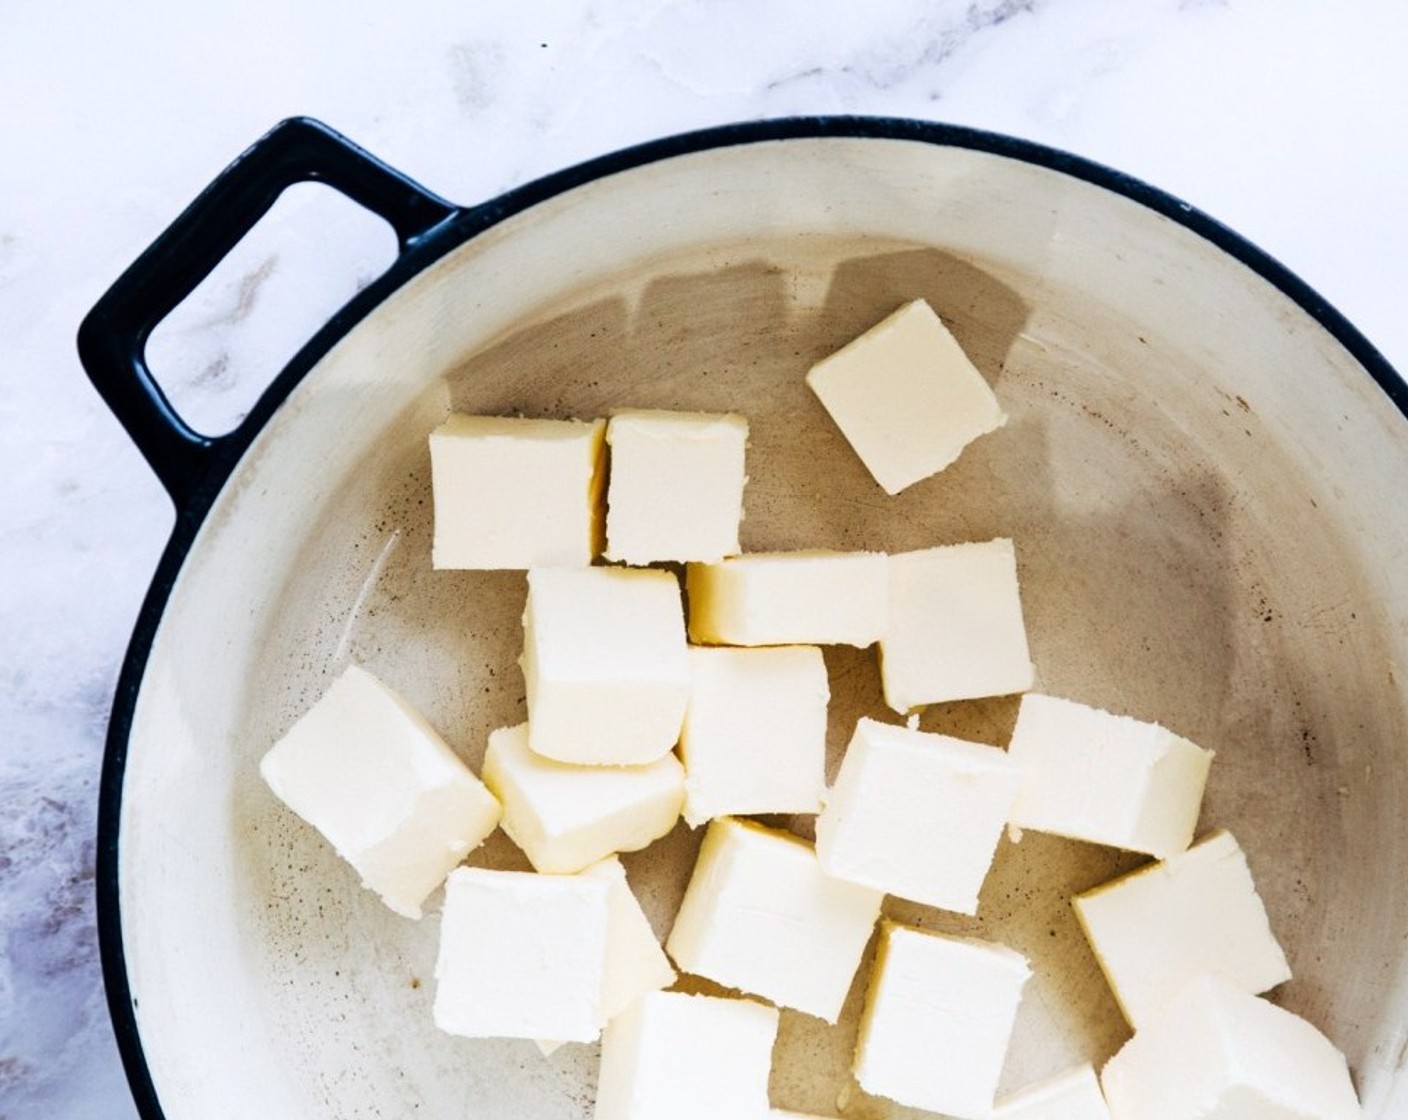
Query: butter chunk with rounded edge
column 955, row 629
column 368, row 772
column 673, row 1056
column 906, row 397
column 1073, row 1095
column 522, row 955
column 635, row 962
column 938, row 1020
column 805, row 597
column 1157, row 928
column 1214, row 1050
column 1106, row 779
column 566, row 817
column 916, row 814
column 516, row 493
column 761, row 915
column 754, row 736
column 605, row 664
column 676, row 485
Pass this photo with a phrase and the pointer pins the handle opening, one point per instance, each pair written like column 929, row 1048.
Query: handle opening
column 112, row 339
column 216, row 352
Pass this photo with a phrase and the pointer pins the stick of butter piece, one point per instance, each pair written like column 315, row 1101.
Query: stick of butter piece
column 515, row 493
column 906, row 397
column 522, row 955
column 754, row 736
column 367, row 771
column 1161, row 926
column 676, row 485
column 955, row 629
column 686, row 1057
column 605, row 663
column 938, row 1020
column 916, row 814
column 807, row 597
column 635, row 962
column 1215, row 1050
column 1073, row 1095
column 565, row 817
column 1106, row 779
column 761, row 915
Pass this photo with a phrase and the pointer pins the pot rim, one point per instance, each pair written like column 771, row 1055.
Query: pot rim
column 461, row 226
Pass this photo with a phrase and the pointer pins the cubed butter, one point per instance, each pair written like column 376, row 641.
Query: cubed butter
column 368, row 772
column 808, row 597
column 565, row 816
column 676, row 485
column 605, row 663
column 754, row 736
column 1073, row 1095
column 522, row 955
column 1159, row 927
column 916, row 814
column 1214, row 1051
column 516, row 493
column 906, row 397
column 955, row 629
column 938, row 1019
column 760, row 915
column 1107, row 779
column 635, row 962
column 672, row 1056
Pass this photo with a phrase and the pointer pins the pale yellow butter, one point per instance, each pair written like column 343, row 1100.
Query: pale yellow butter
column 906, row 397
column 761, row 915
column 938, row 1020
column 516, row 493
column 367, row 771
column 676, row 485
column 566, row 817
column 605, row 664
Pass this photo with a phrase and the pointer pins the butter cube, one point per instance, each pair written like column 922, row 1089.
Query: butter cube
column 1215, row 1051
column 673, row 1056
column 515, row 493
column 754, row 737
column 955, row 628
column 916, row 814
column 676, row 485
column 808, row 597
column 761, row 916
column 906, row 397
column 938, row 1019
column 635, row 963
column 1161, row 926
column 566, row 817
column 1073, row 1095
column 522, row 955
column 605, row 663
column 1090, row 775
column 368, row 772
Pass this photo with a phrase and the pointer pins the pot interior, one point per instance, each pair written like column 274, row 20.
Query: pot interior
column 1200, row 481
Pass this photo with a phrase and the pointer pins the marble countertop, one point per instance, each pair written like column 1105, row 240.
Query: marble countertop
column 1288, row 122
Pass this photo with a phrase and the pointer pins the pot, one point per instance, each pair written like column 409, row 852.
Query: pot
column 1202, row 472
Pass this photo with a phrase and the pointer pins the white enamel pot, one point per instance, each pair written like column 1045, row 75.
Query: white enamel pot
column 1203, row 472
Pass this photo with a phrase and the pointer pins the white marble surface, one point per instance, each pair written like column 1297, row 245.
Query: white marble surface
column 1286, row 120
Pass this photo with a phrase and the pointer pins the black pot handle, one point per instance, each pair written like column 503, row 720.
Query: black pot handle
column 112, row 338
